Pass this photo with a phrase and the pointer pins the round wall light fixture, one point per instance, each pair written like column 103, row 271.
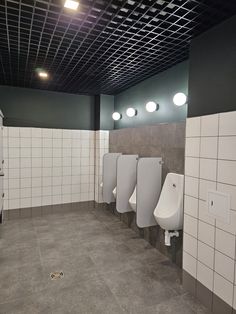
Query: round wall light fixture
column 116, row 116
column 180, row 99
column 131, row 112
column 151, row 106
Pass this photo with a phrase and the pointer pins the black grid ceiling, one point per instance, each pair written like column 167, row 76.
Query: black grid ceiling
column 105, row 47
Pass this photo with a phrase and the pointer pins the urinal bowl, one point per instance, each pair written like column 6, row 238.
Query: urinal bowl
column 169, row 210
column 172, row 222
column 114, row 192
column 133, row 200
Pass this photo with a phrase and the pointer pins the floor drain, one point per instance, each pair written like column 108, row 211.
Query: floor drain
column 56, row 275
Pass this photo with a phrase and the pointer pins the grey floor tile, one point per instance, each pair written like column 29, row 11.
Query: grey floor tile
column 107, row 268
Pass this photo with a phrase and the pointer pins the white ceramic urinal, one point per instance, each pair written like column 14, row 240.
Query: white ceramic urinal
column 133, row 200
column 169, row 210
column 114, row 192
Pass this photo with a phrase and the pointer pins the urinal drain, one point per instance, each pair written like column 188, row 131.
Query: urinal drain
column 56, row 275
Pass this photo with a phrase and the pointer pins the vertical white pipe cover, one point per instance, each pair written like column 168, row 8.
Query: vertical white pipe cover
column 149, row 172
column 126, row 181
column 109, row 176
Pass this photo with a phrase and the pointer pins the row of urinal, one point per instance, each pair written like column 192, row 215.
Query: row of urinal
column 135, row 184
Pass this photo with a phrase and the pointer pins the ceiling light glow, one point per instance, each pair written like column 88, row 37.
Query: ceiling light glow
column 131, row 112
column 43, row 74
column 179, row 99
column 151, row 106
column 70, row 4
column 116, row 116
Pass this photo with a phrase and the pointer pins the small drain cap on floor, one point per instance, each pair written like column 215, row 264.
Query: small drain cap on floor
column 56, row 275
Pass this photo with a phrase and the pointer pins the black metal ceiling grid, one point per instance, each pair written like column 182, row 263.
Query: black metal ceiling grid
column 105, row 46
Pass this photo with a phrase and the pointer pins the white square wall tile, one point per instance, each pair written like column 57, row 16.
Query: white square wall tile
column 206, row 233
column 205, row 275
column 190, row 245
column 36, row 132
column 227, row 124
column 208, row 169
column 225, row 188
column 190, row 264
column 25, row 132
column 231, row 227
column 13, row 132
column 193, row 127
column 191, row 206
column 204, row 186
column 192, row 167
column 190, row 225
column 225, row 243
column 191, row 186
column 227, row 147
column 13, row 204
column 210, row 125
column 192, row 146
column 203, row 213
column 227, row 172
column 223, row 289
column 14, row 142
column 208, row 147
column 224, row 266
column 205, row 254
column 47, row 133
column 25, row 202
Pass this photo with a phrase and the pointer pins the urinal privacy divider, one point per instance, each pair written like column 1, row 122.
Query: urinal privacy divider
column 149, row 172
column 126, row 181
column 109, row 176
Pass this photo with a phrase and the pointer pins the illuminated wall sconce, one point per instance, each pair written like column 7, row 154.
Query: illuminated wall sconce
column 179, row 99
column 116, row 116
column 151, row 106
column 131, row 112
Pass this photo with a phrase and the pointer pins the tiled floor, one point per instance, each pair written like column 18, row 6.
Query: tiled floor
column 107, row 268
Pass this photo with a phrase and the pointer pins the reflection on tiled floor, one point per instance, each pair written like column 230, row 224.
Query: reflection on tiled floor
column 107, row 268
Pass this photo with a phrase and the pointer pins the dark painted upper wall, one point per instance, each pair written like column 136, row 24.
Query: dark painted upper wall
column 160, row 88
column 37, row 108
column 212, row 77
column 106, row 110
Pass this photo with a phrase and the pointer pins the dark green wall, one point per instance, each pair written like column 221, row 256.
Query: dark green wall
column 160, row 88
column 37, row 108
column 212, row 75
column 106, row 110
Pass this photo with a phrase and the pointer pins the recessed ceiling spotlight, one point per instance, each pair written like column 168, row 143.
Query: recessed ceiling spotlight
column 131, row 112
column 151, row 106
column 43, row 74
column 116, row 116
column 179, row 99
column 71, row 4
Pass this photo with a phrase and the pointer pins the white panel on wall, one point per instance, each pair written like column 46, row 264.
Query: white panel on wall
column 215, row 258
column 48, row 166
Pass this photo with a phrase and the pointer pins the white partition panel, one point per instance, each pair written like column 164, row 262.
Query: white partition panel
column 126, row 181
column 109, row 176
column 148, row 190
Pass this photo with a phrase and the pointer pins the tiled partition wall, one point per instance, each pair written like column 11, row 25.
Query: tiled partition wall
column 209, row 244
column 102, row 144
column 165, row 140
column 47, row 166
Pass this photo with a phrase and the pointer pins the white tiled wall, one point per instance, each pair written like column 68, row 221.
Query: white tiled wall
column 48, row 166
column 210, row 163
column 102, row 147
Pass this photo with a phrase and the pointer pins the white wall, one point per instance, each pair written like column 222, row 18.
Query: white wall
column 102, row 147
column 48, row 166
column 210, row 163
